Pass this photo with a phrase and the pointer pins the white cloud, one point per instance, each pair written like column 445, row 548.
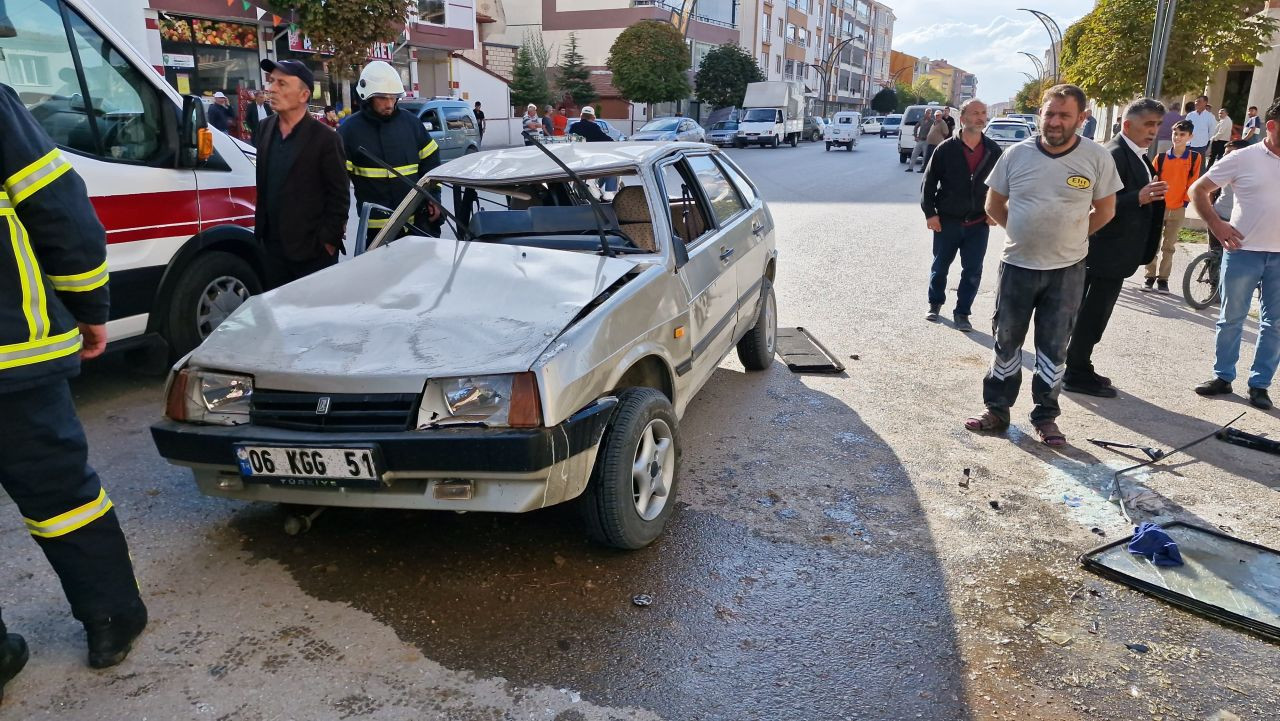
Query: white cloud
column 981, row 36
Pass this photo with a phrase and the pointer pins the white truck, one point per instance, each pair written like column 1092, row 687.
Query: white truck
column 773, row 113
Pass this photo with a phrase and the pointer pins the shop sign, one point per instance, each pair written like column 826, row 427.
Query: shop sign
column 382, row 51
column 177, row 60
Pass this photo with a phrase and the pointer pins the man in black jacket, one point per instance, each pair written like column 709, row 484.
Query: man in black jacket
column 303, row 195
column 953, row 200
column 1120, row 247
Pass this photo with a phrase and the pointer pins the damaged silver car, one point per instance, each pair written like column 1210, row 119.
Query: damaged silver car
column 544, row 354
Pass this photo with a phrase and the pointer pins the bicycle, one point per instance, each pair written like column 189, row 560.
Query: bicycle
column 1200, row 281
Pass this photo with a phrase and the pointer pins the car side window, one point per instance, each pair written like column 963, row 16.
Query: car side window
column 688, row 214
column 740, row 181
column 458, row 119
column 725, row 201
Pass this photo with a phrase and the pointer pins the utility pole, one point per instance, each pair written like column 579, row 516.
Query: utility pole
column 1160, row 34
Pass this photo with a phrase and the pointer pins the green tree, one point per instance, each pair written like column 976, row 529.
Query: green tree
column 927, row 93
column 348, row 28
column 885, row 101
column 1105, row 52
column 1029, row 96
column 528, row 80
column 723, row 76
column 575, row 78
column 906, row 96
column 650, row 62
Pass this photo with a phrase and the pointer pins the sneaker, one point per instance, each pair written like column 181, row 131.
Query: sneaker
column 13, row 656
column 920, row 170
column 1162, row 285
column 1215, row 387
column 1149, row 285
column 932, row 315
column 1090, row 386
column 1259, row 398
column 909, row 169
column 111, row 638
column 962, row 323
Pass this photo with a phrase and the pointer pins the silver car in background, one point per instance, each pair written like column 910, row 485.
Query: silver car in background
column 545, row 357
column 672, row 128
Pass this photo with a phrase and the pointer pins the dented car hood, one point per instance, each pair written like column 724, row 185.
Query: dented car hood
column 418, row 308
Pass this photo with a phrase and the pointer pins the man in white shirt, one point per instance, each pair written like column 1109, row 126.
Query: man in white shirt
column 1252, row 126
column 1251, row 258
column 1204, row 123
column 1221, row 136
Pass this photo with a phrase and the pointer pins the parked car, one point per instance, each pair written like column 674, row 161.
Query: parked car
column 539, row 361
column 845, row 130
column 812, row 128
column 871, row 125
column 1006, row 131
column 450, row 122
column 672, row 128
column 1031, row 119
column 722, row 133
column 891, row 125
column 609, row 130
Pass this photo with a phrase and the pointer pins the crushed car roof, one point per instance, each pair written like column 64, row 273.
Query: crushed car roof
column 530, row 163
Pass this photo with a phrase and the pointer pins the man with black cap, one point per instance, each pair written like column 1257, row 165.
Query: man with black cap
column 302, row 180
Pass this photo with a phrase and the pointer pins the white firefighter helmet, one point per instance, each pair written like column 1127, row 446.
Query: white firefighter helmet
column 379, row 79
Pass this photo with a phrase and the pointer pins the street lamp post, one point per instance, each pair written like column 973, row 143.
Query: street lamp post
column 1055, row 40
column 1159, row 53
column 822, row 75
column 830, row 65
column 1036, row 62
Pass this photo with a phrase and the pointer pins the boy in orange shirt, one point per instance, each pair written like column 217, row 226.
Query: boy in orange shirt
column 1179, row 167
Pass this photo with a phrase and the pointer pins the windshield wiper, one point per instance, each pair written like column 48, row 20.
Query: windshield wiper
column 426, row 195
column 605, row 248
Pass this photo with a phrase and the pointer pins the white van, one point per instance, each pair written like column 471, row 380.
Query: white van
column 176, row 197
column 910, row 119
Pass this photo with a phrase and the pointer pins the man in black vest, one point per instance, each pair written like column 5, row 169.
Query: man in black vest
column 1120, row 247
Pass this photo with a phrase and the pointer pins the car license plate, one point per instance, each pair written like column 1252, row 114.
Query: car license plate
column 309, row 467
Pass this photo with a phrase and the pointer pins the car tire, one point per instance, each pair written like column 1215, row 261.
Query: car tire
column 902, row 157
column 816, row 136
column 207, row 290
column 471, row 149
column 610, row 506
column 756, row 348
column 795, row 139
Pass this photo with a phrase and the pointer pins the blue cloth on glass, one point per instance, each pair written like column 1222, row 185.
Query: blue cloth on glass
column 1150, row 540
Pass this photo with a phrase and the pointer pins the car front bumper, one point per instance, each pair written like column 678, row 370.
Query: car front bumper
column 511, row 470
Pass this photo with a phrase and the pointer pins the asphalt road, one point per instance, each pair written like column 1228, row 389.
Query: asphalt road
column 825, row 562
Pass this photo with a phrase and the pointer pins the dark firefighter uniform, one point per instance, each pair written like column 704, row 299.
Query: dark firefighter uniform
column 400, row 141
column 53, row 274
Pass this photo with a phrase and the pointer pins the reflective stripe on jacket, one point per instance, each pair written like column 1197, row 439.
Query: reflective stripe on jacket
column 399, row 141
column 53, row 254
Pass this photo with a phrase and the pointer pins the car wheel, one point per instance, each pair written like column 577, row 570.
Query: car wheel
column 816, row 137
column 471, row 149
column 902, row 157
column 756, row 348
column 795, row 139
column 633, row 485
column 207, row 291
column 739, row 143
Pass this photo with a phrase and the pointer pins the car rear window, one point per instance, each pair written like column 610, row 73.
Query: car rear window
column 893, row 121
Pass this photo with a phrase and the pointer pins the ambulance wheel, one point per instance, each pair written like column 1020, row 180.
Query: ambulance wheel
column 207, row 291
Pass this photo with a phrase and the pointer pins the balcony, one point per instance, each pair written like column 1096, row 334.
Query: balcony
column 798, row 42
column 670, row 6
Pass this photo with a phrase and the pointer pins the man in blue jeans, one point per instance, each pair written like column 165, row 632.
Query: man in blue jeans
column 953, row 199
column 1251, row 258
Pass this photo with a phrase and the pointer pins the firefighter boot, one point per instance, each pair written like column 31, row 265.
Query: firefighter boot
column 111, row 638
column 13, row 656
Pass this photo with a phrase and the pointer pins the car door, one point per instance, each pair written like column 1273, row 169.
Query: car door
column 707, row 277
column 742, row 226
column 455, row 122
column 439, row 133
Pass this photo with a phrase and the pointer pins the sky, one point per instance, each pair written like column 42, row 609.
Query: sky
column 981, row 36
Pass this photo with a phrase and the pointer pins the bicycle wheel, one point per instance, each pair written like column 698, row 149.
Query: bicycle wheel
column 1200, row 282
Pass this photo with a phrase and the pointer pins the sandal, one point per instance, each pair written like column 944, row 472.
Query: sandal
column 987, row 422
column 1050, row 435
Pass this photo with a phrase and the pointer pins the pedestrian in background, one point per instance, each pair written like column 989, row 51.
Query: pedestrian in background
column 1090, row 125
column 1221, row 136
column 1178, row 168
column 920, row 134
column 220, row 115
column 303, row 196
column 548, row 125
column 531, row 123
column 1252, row 126
column 560, row 122
column 1203, row 122
column 258, row 112
column 1164, row 138
column 953, row 199
column 1250, row 259
column 1050, row 195
column 479, row 122
column 330, row 116
column 938, row 132
column 1118, row 248
column 54, row 305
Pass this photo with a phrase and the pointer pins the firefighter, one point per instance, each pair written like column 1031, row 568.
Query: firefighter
column 53, row 311
column 394, row 136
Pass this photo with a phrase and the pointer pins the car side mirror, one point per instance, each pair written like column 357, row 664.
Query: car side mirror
column 195, row 139
column 428, row 125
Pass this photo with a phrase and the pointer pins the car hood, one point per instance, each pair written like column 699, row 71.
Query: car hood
column 419, row 308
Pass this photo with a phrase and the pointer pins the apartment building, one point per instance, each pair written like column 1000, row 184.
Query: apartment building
column 957, row 84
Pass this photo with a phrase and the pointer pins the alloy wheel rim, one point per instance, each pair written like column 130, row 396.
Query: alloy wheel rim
column 770, row 322
column 217, row 301
column 653, row 470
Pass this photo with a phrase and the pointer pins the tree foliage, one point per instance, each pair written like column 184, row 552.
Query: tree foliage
column 1105, row 52
column 1029, row 96
column 575, row 77
column 650, row 62
column 885, row 101
column 927, row 93
column 347, row 28
column 528, row 81
column 723, row 76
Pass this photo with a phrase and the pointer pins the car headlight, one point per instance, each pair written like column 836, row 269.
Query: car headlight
column 509, row 400
column 200, row 396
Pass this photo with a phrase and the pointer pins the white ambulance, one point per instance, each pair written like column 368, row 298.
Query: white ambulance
column 176, row 197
